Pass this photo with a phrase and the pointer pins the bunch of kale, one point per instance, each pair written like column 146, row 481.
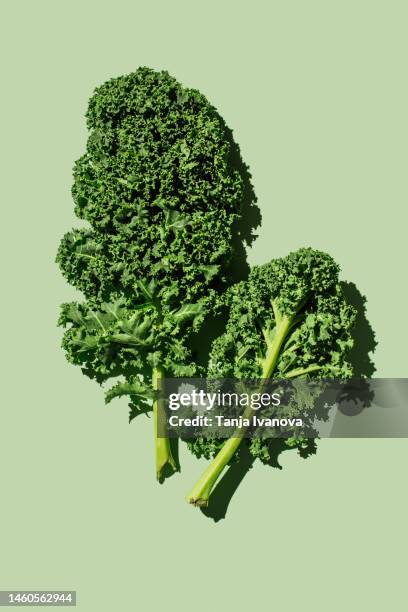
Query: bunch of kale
column 162, row 197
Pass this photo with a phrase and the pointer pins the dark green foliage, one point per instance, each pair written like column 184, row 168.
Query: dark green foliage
column 161, row 195
column 302, row 289
column 303, row 285
column 157, row 185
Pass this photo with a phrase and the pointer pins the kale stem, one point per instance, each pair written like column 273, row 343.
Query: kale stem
column 200, row 493
column 163, row 452
column 302, row 371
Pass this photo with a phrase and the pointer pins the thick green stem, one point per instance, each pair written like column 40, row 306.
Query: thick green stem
column 200, row 493
column 164, row 456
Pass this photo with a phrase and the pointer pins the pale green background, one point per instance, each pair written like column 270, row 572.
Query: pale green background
column 316, row 93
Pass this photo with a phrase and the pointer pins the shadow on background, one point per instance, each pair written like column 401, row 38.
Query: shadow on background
column 244, row 230
column 358, row 395
column 363, row 334
column 221, row 496
column 229, row 483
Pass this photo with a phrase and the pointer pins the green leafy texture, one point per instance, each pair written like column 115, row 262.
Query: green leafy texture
column 304, row 286
column 157, row 185
column 138, row 393
column 159, row 190
column 289, row 319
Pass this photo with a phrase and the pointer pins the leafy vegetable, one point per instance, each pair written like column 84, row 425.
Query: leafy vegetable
column 290, row 319
column 155, row 185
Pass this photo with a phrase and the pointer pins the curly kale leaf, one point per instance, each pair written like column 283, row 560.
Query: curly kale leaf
column 303, row 288
column 156, row 184
column 289, row 319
